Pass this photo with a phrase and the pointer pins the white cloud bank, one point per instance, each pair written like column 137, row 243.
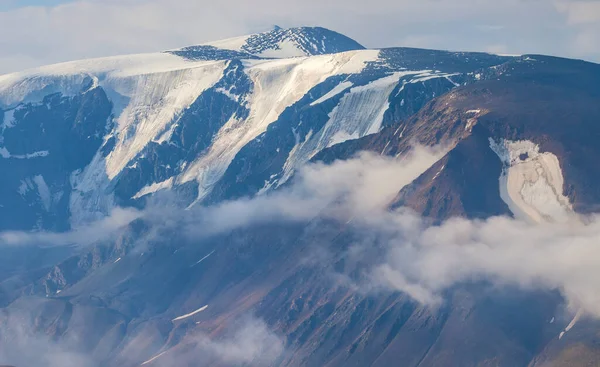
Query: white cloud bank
column 422, row 259
column 246, row 342
column 500, row 250
column 37, row 35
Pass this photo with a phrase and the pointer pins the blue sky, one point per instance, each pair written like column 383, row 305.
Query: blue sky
column 13, row 4
column 35, row 32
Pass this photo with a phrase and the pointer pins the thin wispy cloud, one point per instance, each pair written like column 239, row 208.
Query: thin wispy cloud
column 86, row 235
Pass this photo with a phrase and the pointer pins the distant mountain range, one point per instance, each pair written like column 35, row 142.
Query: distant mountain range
column 236, row 120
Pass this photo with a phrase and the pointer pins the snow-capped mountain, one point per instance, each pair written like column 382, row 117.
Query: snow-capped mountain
column 209, row 124
column 187, row 118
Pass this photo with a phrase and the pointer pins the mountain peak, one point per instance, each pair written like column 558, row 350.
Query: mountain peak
column 290, row 42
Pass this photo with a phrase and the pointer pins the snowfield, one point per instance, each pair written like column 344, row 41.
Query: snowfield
column 277, row 85
column 151, row 92
column 531, row 183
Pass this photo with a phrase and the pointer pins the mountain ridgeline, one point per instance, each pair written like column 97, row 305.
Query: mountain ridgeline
column 233, row 121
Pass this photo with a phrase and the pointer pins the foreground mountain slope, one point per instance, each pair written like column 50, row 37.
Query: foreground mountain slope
column 238, row 118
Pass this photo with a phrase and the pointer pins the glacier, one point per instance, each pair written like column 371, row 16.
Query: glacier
column 186, row 119
column 532, row 183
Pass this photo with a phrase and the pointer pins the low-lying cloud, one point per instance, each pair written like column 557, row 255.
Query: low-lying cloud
column 499, row 250
column 83, row 236
column 341, row 191
column 422, row 259
column 252, row 342
column 248, row 341
column 419, row 258
column 22, row 346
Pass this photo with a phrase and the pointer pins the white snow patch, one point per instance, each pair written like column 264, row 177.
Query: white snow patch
column 285, row 49
column 8, row 121
column 429, row 75
column 438, row 173
column 342, row 136
column 385, row 147
column 572, row 323
column 150, row 189
column 148, row 92
column 268, row 185
column 359, row 113
column 4, row 153
column 155, row 100
column 205, row 257
column 69, row 78
column 504, row 55
column 398, row 129
column 334, row 92
column 448, row 78
column 91, row 198
column 470, row 124
column 42, row 153
column 25, row 187
column 43, row 191
column 227, row 93
column 154, row 358
column 289, row 165
column 190, row 314
column 531, row 183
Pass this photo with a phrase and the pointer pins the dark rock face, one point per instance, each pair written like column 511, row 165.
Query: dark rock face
column 311, row 41
column 49, row 140
column 464, row 183
column 118, row 302
column 210, row 53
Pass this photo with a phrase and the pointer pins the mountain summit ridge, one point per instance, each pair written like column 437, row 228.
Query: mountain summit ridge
column 290, row 42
